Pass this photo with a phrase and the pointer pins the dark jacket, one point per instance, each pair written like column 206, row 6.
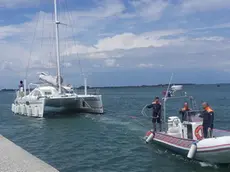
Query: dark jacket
column 208, row 117
column 21, row 85
column 184, row 111
column 156, row 109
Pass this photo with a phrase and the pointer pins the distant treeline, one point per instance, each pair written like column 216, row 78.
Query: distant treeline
column 138, row 86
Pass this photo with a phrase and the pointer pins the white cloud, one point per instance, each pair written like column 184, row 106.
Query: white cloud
column 67, row 64
column 130, row 41
column 111, row 63
column 149, row 65
column 100, row 55
column 18, row 3
column 127, row 41
column 6, row 65
column 105, row 38
column 212, row 38
column 204, row 5
column 217, row 26
column 19, row 37
column 6, row 31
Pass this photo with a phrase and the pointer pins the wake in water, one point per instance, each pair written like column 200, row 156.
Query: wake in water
column 205, row 164
column 129, row 122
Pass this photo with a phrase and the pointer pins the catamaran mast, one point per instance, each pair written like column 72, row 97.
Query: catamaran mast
column 57, row 46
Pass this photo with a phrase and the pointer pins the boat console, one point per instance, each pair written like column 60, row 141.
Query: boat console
column 188, row 129
column 174, row 126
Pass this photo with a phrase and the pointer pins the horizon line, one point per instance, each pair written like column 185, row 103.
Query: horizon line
column 126, row 86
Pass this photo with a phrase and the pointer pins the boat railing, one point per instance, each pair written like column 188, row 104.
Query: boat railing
column 32, row 84
column 19, row 93
column 193, row 116
column 95, row 91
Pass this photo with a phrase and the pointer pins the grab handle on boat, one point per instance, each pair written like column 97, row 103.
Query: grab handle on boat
column 192, row 150
column 143, row 111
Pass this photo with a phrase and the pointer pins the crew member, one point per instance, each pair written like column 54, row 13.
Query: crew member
column 156, row 116
column 184, row 112
column 208, row 118
column 169, row 93
column 21, row 88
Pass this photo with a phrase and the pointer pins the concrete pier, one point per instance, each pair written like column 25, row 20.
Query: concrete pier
column 15, row 159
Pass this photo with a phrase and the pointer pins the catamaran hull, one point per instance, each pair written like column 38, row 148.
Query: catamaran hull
column 218, row 153
column 46, row 106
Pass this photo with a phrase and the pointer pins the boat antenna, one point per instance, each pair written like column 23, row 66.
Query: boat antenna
column 84, row 76
column 57, row 46
column 165, row 98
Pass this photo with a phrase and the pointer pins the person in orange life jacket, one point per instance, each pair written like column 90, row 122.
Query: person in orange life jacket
column 156, row 115
column 208, row 118
column 184, row 111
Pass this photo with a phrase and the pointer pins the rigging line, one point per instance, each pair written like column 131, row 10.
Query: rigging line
column 54, row 39
column 74, row 39
column 65, row 31
column 71, row 21
column 65, row 12
column 79, row 62
column 68, row 14
column 64, row 54
column 43, row 22
column 51, row 45
column 34, row 35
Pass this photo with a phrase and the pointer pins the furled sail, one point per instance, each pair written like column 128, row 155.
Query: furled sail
column 49, row 79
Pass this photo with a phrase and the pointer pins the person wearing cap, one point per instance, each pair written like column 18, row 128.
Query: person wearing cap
column 208, row 119
column 184, row 112
column 156, row 114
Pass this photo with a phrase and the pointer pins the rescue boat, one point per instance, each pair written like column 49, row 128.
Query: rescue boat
column 186, row 137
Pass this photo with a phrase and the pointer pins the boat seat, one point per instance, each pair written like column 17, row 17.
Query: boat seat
column 174, row 130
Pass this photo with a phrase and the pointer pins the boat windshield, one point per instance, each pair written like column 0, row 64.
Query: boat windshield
column 193, row 116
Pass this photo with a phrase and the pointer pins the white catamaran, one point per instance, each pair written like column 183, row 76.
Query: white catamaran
column 52, row 95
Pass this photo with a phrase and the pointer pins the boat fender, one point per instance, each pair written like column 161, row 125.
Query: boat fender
column 192, row 150
column 35, row 114
column 16, row 109
column 150, row 137
column 29, row 111
column 19, row 109
column 23, row 109
column 13, row 108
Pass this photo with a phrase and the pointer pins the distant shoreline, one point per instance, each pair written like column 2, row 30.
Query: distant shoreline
column 137, row 86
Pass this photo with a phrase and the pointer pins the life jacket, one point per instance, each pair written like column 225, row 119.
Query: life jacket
column 208, row 109
column 185, row 109
column 156, row 102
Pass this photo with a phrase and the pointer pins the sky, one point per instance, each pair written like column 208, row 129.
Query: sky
column 116, row 42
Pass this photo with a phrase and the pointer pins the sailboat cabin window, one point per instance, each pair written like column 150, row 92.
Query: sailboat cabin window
column 48, row 93
column 36, row 93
